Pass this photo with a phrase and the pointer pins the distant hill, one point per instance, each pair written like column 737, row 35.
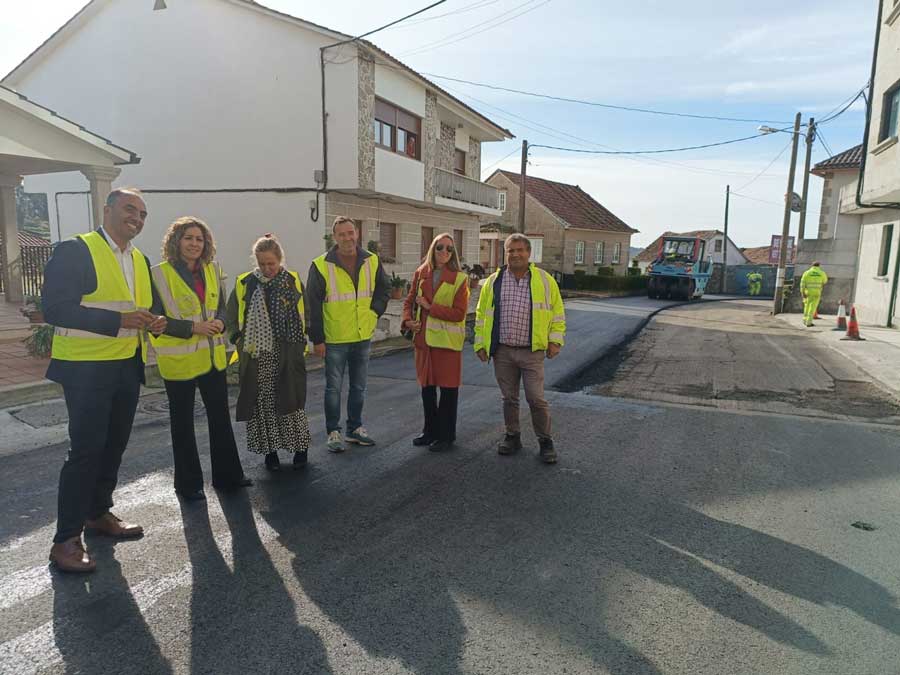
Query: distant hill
column 633, row 251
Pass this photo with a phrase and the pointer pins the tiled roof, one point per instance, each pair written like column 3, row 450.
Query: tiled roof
column 848, row 159
column 649, row 253
column 757, row 255
column 571, row 204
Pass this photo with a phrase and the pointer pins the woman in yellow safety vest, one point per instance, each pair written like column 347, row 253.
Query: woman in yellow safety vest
column 435, row 310
column 191, row 356
column 265, row 321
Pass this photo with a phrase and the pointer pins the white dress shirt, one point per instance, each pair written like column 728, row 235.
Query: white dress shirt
column 126, row 262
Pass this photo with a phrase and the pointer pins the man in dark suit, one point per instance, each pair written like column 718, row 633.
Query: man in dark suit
column 98, row 295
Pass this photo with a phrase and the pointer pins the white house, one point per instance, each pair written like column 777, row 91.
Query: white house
column 875, row 197
column 223, row 100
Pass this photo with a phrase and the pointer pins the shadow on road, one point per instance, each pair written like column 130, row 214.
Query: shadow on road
column 97, row 623
column 242, row 620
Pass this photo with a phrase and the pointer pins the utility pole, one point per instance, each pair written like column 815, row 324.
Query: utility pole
column 810, row 138
column 725, row 245
column 522, row 188
column 786, row 225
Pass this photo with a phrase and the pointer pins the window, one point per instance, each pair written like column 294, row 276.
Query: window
column 396, row 130
column 427, row 236
column 579, row 252
column 884, row 257
column 459, row 162
column 891, row 113
column 537, row 249
column 458, row 240
column 718, row 247
column 501, row 200
column 387, row 238
column 598, row 254
column 617, row 253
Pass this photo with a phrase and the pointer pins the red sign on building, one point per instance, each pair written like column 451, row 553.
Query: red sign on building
column 775, row 250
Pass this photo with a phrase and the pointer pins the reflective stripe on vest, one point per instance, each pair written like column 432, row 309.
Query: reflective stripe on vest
column 112, row 293
column 446, row 334
column 180, row 358
column 543, row 316
column 347, row 313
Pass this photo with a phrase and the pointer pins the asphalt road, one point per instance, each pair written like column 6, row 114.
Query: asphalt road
column 671, row 538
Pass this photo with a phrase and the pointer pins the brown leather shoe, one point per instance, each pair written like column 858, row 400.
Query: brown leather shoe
column 70, row 556
column 113, row 526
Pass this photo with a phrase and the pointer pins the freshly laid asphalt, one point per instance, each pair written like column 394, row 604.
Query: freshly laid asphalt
column 670, row 538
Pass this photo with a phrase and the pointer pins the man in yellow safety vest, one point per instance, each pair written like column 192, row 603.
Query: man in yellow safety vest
column 346, row 291
column 519, row 319
column 811, row 284
column 98, row 295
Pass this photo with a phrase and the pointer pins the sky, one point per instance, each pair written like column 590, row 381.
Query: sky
column 763, row 60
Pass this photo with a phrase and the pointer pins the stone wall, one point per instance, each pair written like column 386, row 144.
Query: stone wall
column 473, row 159
column 366, row 69
column 446, row 147
column 431, row 131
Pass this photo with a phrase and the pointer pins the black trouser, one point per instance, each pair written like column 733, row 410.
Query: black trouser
column 440, row 419
column 226, row 466
column 100, row 422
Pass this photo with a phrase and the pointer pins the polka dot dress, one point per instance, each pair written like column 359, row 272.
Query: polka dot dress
column 266, row 430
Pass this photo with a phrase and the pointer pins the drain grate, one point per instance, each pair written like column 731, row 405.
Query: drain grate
column 160, row 406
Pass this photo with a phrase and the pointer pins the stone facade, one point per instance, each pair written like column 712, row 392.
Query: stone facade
column 446, row 147
column 473, row 160
column 366, row 69
column 431, row 131
column 559, row 240
column 371, row 212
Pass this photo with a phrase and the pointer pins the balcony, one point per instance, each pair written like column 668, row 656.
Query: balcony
column 452, row 189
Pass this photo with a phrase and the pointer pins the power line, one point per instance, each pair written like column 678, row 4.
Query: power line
column 821, row 138
column 462, row 10
column 467, row 33
column 650, row 152
column 505, row 157
column 768, row 166
column 557, row 133
column 833, row 116
column 600, row 105
column 392, row 23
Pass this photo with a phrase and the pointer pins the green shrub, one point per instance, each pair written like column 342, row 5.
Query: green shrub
column 608, row 283
column 607, row 271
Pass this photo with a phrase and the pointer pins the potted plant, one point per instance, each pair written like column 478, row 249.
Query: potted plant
column 374, row 247
column 398, row 286
column 329, row 241
column 32, row 309
column 40, row 342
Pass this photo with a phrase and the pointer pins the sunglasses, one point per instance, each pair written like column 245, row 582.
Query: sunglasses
column 441, row 247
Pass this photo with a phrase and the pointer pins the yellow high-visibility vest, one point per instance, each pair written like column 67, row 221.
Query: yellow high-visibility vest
column 813, row 280
column 112, row 293
column 180, row 358
column 446, row 334
column 347, row 311
column 548, row 316
column 240, row 291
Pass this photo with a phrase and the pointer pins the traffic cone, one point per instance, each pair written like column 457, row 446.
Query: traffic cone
column 841, row 317
column 853, row 327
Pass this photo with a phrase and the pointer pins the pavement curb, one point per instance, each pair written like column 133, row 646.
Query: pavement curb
column 15, row 395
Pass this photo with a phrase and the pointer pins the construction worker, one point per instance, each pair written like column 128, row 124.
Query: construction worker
column 811, row 284
column 754, row 283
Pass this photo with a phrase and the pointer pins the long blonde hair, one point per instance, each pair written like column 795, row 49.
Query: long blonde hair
column 429, row 262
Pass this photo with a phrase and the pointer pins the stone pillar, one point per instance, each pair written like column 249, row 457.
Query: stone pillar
column 10, row 255
column 100, row 178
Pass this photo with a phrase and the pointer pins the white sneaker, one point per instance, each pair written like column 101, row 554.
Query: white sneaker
column 335, row 442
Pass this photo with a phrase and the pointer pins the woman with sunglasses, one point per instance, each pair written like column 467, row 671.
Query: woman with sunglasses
column 435, row 310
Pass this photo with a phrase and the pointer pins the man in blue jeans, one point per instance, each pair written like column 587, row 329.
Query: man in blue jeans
column 347, row 290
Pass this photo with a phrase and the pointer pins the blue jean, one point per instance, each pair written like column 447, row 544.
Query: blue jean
column 337, row 358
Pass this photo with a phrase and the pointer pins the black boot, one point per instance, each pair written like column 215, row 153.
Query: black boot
column 272, row 461
column 300, row 460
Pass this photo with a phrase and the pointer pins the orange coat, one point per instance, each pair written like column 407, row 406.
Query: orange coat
column 436, row 366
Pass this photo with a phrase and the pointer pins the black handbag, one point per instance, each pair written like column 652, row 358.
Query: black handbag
column 409, row 333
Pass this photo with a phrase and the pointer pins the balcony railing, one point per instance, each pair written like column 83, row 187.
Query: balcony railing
column 451, row 185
